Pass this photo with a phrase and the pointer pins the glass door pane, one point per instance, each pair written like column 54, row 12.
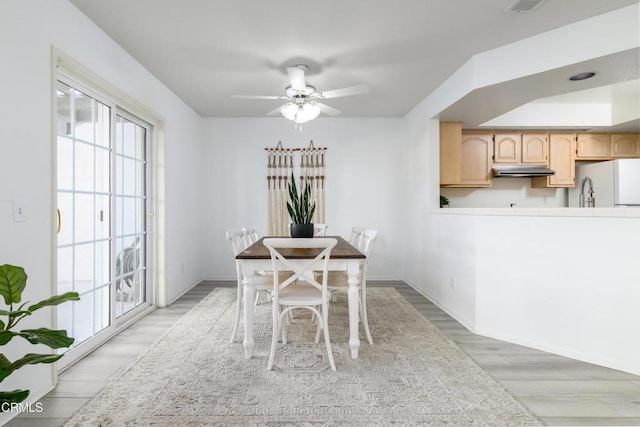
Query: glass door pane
column 130, row 215
column 83, row 194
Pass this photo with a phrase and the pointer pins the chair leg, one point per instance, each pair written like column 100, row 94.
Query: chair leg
column 257, row 301
column 283, row 327
column 327, row 342
column 363, row 316
column 318, row 328
column 236, row 321
column 274, row 338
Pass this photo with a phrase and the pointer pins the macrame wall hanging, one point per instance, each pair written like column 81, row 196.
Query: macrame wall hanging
column 303, row 162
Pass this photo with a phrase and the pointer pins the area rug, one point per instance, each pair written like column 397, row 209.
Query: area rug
column 412, row 375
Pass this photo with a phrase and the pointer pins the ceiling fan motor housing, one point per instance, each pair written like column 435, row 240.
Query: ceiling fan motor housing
column 293, row 93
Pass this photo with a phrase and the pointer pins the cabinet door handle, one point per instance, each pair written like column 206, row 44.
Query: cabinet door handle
column 59, row 215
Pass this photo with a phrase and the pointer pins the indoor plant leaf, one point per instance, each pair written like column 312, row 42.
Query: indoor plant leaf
column 49, row 337
column 12, row 396
column 55, row 300
column 300, row 206
column 27, row 359
column 6, row 336
column 13, row 280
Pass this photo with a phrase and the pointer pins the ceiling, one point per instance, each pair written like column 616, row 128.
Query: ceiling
column 206, row 51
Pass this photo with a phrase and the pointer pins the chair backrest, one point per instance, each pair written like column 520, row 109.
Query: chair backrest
column 367, row 242
column 356, row 235
column 250, row 236
column 301, row 268
column 319, row 229
column 236, row 238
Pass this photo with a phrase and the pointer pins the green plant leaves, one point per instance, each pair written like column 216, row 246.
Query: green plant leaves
column 49, row 337
column 13, row 396
column 55, row 300
column 7, row 368
column 12, row 282
column 300, row 206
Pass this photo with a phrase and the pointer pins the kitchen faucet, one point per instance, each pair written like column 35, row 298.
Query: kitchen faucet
column 591, row 201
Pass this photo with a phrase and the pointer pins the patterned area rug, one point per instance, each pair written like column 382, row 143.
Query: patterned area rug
column 412, row 375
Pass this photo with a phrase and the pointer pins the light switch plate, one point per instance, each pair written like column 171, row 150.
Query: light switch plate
column 19, row 211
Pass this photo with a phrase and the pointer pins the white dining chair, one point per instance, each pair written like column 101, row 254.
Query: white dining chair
column 250, row 235
column 320, row 230
column 263, row 283
column 356, row 235
column 338, row 281
column 307, row 293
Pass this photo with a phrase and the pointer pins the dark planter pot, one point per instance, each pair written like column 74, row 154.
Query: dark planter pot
column 301, row 230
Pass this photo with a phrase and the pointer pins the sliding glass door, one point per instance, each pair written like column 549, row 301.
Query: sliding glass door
column 130, row 214
column 102, row 236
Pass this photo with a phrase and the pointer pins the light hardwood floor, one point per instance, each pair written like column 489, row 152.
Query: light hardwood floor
column 558, row 390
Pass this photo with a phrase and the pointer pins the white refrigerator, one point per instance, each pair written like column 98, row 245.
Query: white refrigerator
column 616, row 183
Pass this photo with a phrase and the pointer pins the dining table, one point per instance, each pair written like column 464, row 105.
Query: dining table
column 344, row 257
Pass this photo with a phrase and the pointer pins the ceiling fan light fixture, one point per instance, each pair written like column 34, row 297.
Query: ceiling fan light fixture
column 300, row 112
column 311, row 111
column 289, row 111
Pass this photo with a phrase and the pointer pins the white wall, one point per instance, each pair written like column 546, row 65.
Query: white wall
column 504, row 192
column 365, row 171
column 565, row 285
column 28, row 29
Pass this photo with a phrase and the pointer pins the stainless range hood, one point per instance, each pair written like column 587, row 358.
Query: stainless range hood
column 522, row 170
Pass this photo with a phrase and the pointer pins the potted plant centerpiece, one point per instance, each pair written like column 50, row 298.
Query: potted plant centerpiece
column 13, row 280
column 301, row 208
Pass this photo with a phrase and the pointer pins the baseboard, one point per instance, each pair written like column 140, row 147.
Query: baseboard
column 560, row 351
column 182, row 293
column 443, row 307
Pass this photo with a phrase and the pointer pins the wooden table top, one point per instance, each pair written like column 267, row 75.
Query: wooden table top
column 343, row 250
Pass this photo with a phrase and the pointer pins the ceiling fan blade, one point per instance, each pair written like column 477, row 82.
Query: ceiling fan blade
column 256, row 97
column 275, row 112
column 346, row 91
column 296, row 77
column 330, row 111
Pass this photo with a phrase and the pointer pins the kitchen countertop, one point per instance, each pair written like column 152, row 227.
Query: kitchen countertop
column 559, row 212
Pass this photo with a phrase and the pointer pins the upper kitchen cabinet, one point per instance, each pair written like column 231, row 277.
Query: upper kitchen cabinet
column 624, row 145
column 506, row 148
column 592, row 146
column 465, row 159
column 535, row 148
column 562, row 159
column 521, row 148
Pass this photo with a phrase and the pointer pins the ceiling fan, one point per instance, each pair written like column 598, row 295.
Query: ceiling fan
column 303, row 101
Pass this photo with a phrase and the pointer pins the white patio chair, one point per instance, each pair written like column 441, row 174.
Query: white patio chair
column 307, row 294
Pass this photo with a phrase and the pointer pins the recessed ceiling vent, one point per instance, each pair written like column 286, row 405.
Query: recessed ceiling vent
column 523, row 6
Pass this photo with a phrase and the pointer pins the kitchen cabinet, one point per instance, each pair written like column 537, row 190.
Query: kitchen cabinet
column 562, row 159
column 624, row 145
column 535, row 148
column 521, row 148
column 465, row 159
column 592, row 146
column 506, row 148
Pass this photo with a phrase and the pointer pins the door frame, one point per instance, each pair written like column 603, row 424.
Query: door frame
column 67, row 69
